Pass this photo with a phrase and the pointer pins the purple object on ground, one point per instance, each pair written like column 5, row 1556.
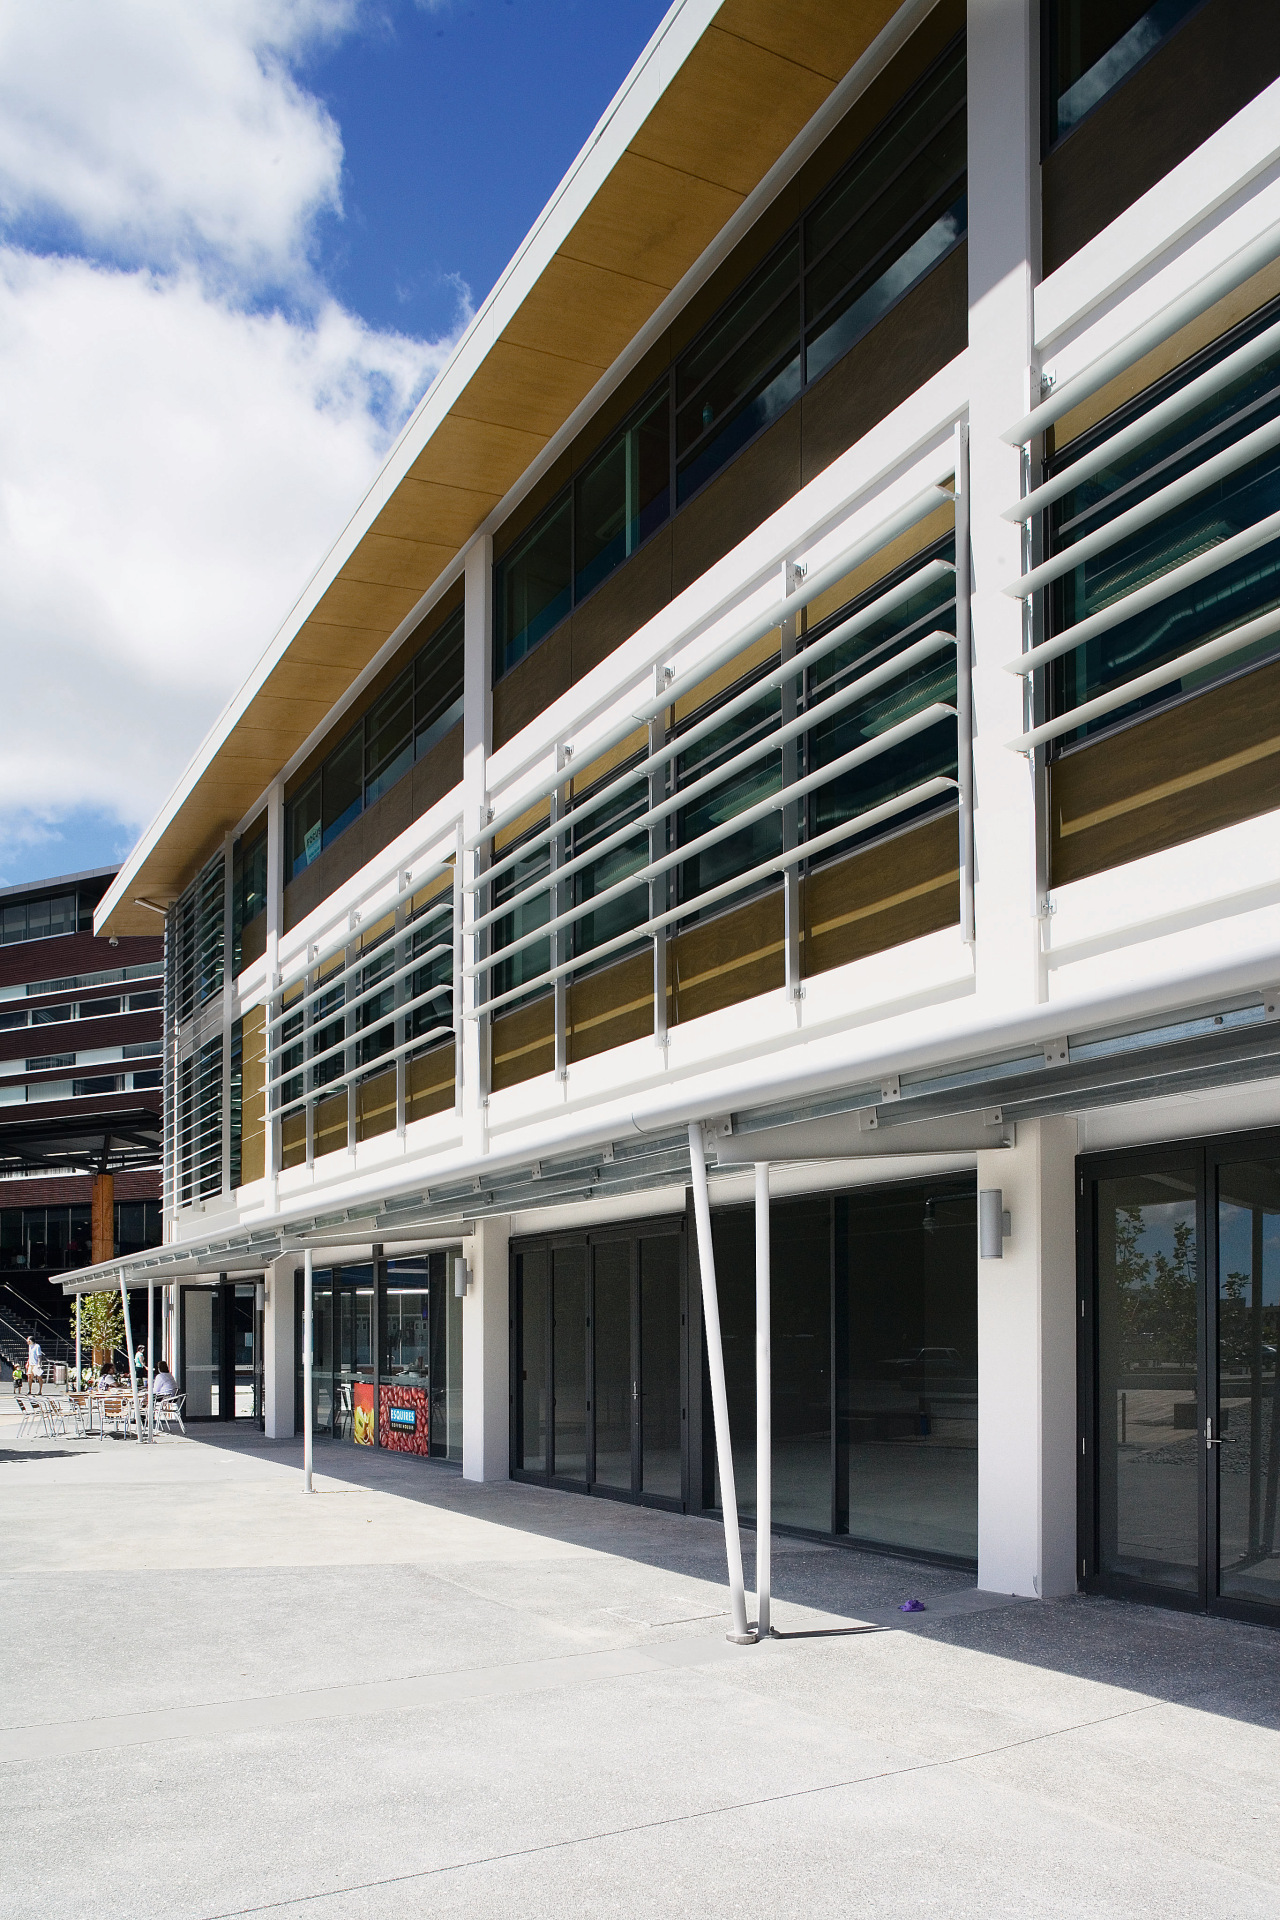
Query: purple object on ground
column 912, row 1606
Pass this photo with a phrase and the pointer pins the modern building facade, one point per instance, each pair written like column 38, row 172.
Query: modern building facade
column 81, row 1027
column 791, row 737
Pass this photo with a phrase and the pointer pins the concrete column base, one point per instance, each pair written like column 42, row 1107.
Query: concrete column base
column 279, row 1359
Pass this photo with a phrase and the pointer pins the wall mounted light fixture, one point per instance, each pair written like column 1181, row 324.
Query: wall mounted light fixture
column 994, row 1224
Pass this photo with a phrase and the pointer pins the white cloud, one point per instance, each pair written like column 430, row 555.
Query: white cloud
column 174, row 456
column 162, row 131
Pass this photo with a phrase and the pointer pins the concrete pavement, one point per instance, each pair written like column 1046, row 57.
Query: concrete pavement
column 410, row 1695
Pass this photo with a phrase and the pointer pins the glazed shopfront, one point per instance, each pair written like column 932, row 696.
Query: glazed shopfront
column 875, row 1371
column 387, row 1358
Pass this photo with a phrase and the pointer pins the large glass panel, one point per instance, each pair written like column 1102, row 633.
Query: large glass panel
column 660, row 1423
column 244, row 1358
column 353, row 1388
column 800, row 1232
column 406, row 1331
column 343, row 785
column 322, row 1355
column 736, row 850
column 388, row 733
column 801, row 1344
column 1225, row 598
column 437, row 699
column 304, row 825
column 569, row 1360
column 613, row 1373
column 532, row 961
column 1248, row 1420
column 534, row 586
column 1149, row 1445
column 890, row 218
column 627, row 910
column 742, row 373
column 532, row 1277
column 622, row 496
column 1095, row 44
column 201, row 1353
column 931, row 680
column 907, row 1326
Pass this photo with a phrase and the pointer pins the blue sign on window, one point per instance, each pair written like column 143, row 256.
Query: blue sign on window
column 405, row 1418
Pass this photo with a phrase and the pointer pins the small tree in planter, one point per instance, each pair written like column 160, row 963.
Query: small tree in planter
column 101, row 1325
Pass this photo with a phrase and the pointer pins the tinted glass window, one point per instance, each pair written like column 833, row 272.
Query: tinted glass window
column 1092, row 45
column 535, row 584
column 742, row 374
column 1217, row 603
column 622, row 496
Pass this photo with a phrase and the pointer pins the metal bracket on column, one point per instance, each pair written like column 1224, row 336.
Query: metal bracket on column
column 560, row 941
column 793, row 573
column 659, row 889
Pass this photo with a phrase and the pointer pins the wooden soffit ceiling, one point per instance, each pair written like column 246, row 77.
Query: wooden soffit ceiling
column 752, row 81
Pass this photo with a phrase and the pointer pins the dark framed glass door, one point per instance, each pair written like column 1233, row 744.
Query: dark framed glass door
column 1180, row 1318
column 598, row 1364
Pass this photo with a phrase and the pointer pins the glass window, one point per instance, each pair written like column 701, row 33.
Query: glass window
column 51, row 1016
column 535, row 584
column 1149, row 1448
column 1214, row 605
column 388, row 738
column 622, row 496
column 742, row 373
column 907, row 1367
column 304, row 825
column 342, row 786
column 39, row 919
column 889, row 218
column 1092, row 45
column 8, row 1020
column 143, row 1002
column 917, row 759
column 532, row 962
column 437, row 683
column 95, row 1009
column 628, row 910
column 532, row 1386
column 248, row 889
column 738, row 850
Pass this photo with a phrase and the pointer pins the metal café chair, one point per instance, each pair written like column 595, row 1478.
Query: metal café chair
column 167, row 1411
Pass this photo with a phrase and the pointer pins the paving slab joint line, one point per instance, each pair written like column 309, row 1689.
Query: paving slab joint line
column 678, row 1819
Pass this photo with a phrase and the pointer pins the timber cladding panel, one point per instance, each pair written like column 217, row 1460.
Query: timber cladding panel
column 734, row 957
column 611, row 1006
column 895, row 891
column 429, row 1083
column 1208, row 69
column 522, row 1044
column 1206, row 763
column 253, row 1088
column 376, row 1105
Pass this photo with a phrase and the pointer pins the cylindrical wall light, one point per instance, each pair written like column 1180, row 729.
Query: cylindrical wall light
column 994, row 1225
column 461, row 1275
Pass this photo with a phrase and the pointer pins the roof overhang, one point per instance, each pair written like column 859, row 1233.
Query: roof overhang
column 719, row 109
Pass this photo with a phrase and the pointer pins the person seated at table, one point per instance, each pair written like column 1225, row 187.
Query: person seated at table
column 107, row 1377
column 164, row 1386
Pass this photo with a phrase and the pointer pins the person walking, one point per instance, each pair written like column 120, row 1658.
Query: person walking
column 35, row 1365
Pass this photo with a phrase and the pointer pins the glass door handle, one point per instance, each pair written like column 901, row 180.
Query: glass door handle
column 1223, row 1440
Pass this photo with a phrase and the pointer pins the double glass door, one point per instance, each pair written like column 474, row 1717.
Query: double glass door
column 598, row 1334
column 1181, row 1312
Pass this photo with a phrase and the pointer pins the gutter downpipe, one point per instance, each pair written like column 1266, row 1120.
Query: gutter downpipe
column 764, row 1406
column 133, row 1371
column 307, row 1322
column 740, row 1633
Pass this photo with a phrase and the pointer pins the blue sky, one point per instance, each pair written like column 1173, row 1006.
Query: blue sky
column 238, row 239
column 457, row 122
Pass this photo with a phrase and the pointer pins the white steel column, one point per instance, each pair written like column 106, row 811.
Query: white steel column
column 1027, row 1369
column 477, row 734
column 486, row 1349
column 308, row 1344
column 77, row 1341
column 275, row 921
column 719, row 1394
column 764, row 1405
column 151, row 1365
column 1002, row 64
column 278, row 1370
column 133, row 1371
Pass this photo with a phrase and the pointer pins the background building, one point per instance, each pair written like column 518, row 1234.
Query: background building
column 800, row 695
column 80, row 1076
